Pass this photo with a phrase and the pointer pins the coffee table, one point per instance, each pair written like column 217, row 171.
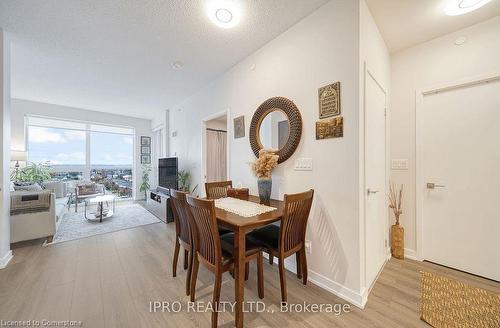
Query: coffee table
column 101, row 211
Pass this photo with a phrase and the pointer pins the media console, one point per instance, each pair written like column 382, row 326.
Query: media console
column 158, row 203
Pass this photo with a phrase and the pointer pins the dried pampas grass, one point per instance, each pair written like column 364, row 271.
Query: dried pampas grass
column 263, row 166
column 395, row 200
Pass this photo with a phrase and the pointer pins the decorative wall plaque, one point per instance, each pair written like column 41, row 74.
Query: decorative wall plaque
column 329, row 100
column 239, row 127
column 331, row 128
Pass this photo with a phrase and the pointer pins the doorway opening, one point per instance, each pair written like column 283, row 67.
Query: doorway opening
column 215, row 148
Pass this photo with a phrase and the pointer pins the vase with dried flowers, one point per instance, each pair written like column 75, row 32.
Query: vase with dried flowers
column 262, row 167
column 397, row 231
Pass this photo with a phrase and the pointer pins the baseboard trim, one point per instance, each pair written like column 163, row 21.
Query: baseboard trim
column 411, row 254
column 6, row 259
column 357, row 299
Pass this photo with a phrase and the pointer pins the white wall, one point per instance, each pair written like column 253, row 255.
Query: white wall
column 320, row 49
column 374, row 56
column 5, row 113
column 22, row 108
column 428, row 64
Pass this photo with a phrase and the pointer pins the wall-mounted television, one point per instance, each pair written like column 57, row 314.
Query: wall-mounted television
column 167, row 173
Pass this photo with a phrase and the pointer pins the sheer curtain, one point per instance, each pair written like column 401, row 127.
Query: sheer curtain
column 216, row 155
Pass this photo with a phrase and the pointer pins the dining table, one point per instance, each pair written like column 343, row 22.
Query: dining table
column 241, row 226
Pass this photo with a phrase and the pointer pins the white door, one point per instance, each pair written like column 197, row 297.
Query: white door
column 460, row 134
column 376, row 230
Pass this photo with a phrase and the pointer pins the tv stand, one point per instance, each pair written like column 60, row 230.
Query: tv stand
column 158, row 203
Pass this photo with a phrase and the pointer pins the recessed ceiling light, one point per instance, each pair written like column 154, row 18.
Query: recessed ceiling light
column 177, row 64
column 224, row 13
column 460, row 7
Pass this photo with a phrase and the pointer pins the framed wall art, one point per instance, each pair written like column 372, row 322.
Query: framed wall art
column 145, row 150
column 145, row 141
column 239, row 127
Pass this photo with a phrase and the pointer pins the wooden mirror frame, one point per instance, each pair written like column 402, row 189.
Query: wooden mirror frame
column 294, row 121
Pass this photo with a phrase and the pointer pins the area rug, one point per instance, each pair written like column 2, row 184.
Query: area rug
column 448, row 303
column 75, row 226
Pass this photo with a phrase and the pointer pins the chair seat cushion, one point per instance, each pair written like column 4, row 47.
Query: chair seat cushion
column 223, row 231
column 267, row 236
column 227, row 244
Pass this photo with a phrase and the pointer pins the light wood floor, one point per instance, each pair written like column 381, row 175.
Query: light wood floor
column 109, row 280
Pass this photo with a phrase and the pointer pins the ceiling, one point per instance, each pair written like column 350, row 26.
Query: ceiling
column 405, row 23
column 116, row 55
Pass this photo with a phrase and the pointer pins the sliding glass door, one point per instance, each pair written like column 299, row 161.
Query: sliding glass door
column 84, row 151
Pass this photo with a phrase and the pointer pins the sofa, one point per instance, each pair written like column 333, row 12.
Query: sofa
column 44, row 223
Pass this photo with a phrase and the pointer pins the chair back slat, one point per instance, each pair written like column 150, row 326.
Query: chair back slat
column 207, row 241
column 295, row 216
column 182, row 214
column 215, row 190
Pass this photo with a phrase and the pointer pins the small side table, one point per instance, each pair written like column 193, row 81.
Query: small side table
column 101, row 212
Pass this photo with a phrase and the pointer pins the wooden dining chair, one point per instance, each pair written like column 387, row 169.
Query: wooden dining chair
column 183, row 235
column 209, row 252
column 215, row 190
column 218, row 189
column 288, row 238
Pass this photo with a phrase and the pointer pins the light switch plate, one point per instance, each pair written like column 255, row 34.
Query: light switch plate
column 303, row 164
column 399, row 164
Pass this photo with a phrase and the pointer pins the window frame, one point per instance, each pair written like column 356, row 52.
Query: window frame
column 88, row 130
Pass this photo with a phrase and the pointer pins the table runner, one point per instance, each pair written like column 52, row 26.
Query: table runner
column 242, row 207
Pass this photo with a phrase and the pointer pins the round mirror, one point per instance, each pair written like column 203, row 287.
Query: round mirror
column 274, row 130
column 277, row 125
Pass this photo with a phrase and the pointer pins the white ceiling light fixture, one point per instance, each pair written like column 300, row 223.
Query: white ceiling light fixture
column 460, row 7
column 224, row 13
column 177, row 65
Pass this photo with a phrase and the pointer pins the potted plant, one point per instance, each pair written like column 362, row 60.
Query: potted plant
column 144, row 187
column 184, row 179
column 397, row 231
column 33, row 172
column 263, row 167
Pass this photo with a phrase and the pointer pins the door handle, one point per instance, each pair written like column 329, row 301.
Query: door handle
column 370, row 191
column 432, row 185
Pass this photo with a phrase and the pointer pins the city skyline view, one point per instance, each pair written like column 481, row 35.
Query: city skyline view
column 65, row 151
